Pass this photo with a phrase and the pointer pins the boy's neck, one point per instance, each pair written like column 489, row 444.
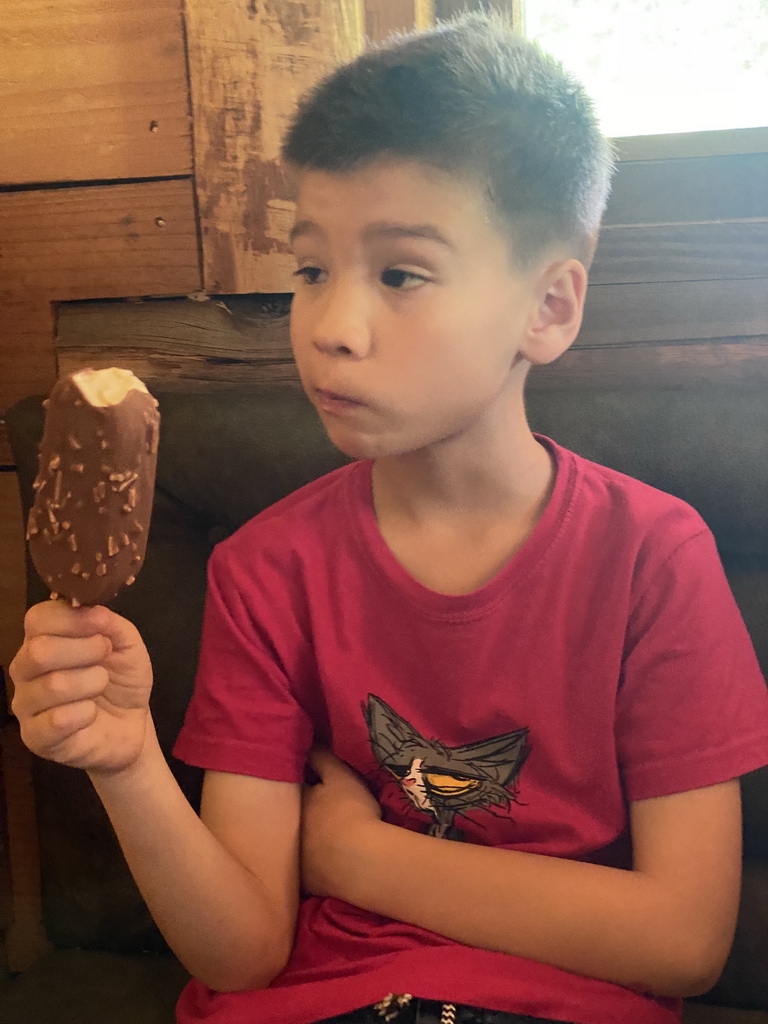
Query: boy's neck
column 496, row 471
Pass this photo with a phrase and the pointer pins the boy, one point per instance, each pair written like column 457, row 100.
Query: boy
column 535, row 662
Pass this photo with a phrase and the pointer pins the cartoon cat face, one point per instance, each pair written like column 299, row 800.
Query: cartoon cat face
column 428, row 785
column 440, row 780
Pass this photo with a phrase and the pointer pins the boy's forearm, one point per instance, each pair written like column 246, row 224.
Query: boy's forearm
column 615, row 925
column 213, row 912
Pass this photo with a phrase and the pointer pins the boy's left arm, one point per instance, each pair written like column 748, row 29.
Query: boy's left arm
column 664, row 927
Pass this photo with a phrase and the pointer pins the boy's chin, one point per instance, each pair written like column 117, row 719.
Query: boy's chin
column 360, row 446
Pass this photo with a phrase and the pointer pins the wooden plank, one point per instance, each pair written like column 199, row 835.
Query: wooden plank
column 249, row 64
column 99, row 241
column 93, row 90
column 700, row 189
column 681, row 252
column 446, row 9
column 625, row 314
column 74, row 243
column 383, row 17
column 12, row 570
column 234, row 344
column 718, row 363
column 242, row 342
column 687, row 144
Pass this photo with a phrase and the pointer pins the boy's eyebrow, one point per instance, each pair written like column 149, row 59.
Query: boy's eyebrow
column 394, row 229
column 303, row 227
column 381, row 229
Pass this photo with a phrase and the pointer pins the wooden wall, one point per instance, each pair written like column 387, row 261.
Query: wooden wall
column 678, row 297
column 139, row 162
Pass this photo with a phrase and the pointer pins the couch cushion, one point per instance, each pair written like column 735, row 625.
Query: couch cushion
column 224, row 457
column 74, row 987
column 706, row 445
column 697, row 1013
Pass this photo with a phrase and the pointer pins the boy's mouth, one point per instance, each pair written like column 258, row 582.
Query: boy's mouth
column 334, row 401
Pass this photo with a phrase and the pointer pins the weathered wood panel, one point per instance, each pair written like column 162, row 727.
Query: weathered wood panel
column 99, row 241
column 249, row 64
column 382, row 17
column 242, row 342
column 233, row 343
column 717, row 363
column 93, row 90
column 80, row 243
column 681, row 252
column 669, row 311
column 445, row 9
column 689, row 144
column 700, row 189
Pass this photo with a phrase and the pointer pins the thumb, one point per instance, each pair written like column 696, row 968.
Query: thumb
column 121, row 633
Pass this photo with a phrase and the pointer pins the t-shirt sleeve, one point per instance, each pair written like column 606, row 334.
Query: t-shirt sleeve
column 692, row 708
column 243, row 717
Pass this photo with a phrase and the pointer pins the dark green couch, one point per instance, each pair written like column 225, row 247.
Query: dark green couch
column 223, row 458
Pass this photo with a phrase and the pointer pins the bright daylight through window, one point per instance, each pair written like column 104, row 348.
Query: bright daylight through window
column 660, row 66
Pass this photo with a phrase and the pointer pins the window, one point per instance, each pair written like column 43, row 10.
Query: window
column 660, row 66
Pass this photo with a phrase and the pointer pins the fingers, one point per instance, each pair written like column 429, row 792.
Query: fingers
column 57, row 618
column 44, row 654
column 45, row 732
column 53, row 708
column 57, row 690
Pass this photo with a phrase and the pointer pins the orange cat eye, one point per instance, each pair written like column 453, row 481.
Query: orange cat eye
column 449, row 783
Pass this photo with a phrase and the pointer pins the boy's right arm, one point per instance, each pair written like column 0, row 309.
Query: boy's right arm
column 223, row 890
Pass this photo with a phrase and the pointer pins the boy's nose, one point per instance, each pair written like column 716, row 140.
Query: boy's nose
column 343, row 328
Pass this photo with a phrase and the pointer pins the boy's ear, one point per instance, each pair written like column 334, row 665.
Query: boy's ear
column 556, row 318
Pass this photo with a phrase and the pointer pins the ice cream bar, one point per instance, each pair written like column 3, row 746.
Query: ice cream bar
column 89, row 523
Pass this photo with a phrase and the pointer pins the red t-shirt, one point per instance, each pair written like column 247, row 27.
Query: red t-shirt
column 607, row 662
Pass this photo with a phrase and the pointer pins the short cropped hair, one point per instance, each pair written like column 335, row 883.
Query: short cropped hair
column 474, row 99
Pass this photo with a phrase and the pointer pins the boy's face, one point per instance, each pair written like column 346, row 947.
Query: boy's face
column 408, row 315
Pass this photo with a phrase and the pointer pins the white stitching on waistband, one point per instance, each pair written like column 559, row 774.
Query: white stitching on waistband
column 390, row 1006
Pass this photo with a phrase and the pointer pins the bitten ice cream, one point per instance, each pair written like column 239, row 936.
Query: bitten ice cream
column 88, row 527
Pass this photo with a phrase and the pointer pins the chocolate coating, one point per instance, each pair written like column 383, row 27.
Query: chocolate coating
column 89, row 524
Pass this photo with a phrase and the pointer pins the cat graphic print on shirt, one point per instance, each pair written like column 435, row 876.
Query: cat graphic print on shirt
column 442, row 781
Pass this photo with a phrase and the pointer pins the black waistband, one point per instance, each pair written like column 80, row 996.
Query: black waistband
column 404, row 1009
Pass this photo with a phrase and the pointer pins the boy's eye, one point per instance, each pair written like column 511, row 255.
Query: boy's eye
column 311, row 275
column 402, row 280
